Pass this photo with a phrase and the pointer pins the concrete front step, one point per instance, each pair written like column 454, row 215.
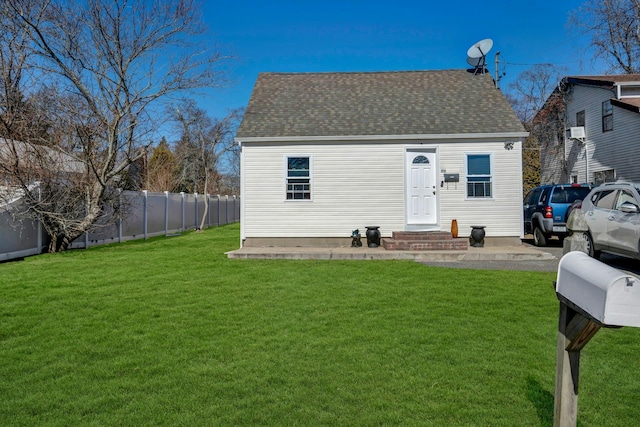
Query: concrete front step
column 449, row 244
column 421, row 235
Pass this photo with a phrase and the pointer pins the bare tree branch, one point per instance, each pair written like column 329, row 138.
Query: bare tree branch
column 112, row 64
column 614, row 26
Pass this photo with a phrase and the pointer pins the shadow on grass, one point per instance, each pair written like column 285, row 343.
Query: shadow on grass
column 542, row 400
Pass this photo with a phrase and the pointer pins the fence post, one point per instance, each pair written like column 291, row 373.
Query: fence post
column 119, row 221
column 208, row 210
column 195, row 209
column 39, row 238
column 39, row 226
column 86, row 233
column 144, row 214
column 234, row 208
column 182, row 209
column 218, row 216
column 166, row 213
column 226, row 209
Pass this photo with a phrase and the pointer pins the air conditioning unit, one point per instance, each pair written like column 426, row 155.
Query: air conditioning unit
column 577, row 132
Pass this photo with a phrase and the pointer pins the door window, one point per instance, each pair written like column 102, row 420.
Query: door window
column 625, row 197
column 532, row 197
column 604, row 199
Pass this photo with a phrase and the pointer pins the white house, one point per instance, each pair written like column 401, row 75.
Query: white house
column 323, row 154
column 601, row 123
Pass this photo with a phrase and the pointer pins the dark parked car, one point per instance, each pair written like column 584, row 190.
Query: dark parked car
column 612, row 213
column 546, row 209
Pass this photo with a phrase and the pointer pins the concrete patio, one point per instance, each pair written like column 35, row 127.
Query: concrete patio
column 487, row 253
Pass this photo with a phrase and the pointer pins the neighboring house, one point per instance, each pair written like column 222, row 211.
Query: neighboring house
column 596, row 121
column 33, row 160
column 323, row 154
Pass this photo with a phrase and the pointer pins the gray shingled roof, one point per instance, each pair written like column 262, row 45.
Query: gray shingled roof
column 376, row 103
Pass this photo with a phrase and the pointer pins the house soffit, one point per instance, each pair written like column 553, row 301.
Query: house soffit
column 467, row 137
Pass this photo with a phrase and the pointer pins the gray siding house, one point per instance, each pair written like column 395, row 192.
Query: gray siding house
column 323, row 154
column 601, row 125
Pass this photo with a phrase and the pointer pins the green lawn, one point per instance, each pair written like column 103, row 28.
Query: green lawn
column 171, row 332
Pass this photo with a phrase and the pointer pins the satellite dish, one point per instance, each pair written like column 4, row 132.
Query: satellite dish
column 474, row 62
column 477, row 55
column 480, row 49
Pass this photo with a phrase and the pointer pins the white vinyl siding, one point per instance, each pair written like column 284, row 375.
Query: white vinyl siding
column 351, row 188
column 502, row 214
column 359, row 184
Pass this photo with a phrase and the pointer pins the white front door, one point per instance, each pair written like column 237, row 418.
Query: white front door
column 421, row 187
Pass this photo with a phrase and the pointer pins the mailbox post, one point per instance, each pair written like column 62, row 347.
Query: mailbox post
column 592, row 295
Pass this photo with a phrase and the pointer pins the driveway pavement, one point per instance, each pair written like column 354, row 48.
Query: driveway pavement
column 550, row 263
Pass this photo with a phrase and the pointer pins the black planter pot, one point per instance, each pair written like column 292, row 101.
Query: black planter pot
column 477, row 236
column 373, row 237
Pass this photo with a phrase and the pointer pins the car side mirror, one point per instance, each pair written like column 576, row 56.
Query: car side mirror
column 628, row 207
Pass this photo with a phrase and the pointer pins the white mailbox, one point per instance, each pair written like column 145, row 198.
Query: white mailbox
column 605, row 294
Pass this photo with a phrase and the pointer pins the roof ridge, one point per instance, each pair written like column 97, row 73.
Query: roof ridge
column 362, row 72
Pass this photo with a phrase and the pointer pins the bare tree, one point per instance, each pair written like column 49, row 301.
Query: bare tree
column 15, row 54
column 614, row 26
column 204, row 142
column 540, row 107
column 116, row 61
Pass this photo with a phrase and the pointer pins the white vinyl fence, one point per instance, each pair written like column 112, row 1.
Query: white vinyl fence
column 147, row 215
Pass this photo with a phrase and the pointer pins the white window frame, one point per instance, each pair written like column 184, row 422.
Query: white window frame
column 490, row 176
column 287, row 177
column 607, row 175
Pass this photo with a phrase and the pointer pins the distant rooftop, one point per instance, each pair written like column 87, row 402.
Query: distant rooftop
column 607, row 79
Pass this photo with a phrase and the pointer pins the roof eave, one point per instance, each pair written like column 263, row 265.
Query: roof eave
column 626, row 106
column 384, row 138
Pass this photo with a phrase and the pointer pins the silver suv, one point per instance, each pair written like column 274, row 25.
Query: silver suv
column 612, row 212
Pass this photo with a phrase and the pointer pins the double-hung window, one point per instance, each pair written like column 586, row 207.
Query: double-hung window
column 298, row 178
column 479, row 180
column 607, row 116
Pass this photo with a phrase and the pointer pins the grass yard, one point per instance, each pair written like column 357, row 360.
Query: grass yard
column 171, row 332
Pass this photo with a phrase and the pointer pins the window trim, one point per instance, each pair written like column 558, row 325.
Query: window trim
column 287, row 177
column 491, row 176
column 606, row 175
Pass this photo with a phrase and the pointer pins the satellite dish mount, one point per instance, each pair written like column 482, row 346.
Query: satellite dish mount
column 477, row 55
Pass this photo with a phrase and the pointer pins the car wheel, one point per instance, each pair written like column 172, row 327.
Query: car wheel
column 539, row 238
column 591, row 250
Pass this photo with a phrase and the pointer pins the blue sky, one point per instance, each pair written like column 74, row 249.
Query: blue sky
column 355, row 35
